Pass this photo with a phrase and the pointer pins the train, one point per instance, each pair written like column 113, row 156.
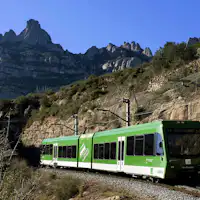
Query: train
column 165, row 149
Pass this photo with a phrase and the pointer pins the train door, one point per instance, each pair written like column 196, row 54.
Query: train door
column 121, row 146
column 55, row 152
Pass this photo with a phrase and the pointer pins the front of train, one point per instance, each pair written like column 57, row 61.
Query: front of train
column 183, row 151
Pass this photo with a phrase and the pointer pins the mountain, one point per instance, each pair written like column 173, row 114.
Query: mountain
column 30, row 61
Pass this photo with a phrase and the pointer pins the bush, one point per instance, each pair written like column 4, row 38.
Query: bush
column 66, row 187
column 54, row 110
column 23, row 182
column 21, row 100
column 49, row 92
column 5, row 104
column 73, row 90
column 172, row 52
column 97, row 93
column 45, row 102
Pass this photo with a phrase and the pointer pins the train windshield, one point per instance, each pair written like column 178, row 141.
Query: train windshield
column 183, row 142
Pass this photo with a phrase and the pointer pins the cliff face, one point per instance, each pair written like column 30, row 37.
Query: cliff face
column 31, row 61
column 55, row 127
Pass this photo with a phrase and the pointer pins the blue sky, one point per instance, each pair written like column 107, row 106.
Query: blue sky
column 79, row 24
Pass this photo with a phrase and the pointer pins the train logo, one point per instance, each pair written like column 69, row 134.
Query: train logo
column 84, row 151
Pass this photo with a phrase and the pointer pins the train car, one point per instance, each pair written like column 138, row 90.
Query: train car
column 160, row 149
column 136, row 151
column 85, row 151
column 63, row 151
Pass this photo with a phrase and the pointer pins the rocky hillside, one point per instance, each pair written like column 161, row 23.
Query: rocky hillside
column 31, row 62
column 163, row 89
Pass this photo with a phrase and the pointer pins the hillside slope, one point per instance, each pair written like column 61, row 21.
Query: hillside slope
column 165, row 89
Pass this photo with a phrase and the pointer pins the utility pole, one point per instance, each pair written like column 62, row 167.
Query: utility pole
column 75, row 116
column 135, row 99
column 127, row 120
column 127, row 102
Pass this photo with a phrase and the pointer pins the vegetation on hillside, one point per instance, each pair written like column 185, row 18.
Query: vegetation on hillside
column 81, row 95
column 24, row 182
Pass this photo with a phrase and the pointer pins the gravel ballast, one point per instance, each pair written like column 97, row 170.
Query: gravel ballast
column 142, row 189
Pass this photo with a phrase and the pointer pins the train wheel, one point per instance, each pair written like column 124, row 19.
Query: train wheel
column 157, row 180
column 154, row 180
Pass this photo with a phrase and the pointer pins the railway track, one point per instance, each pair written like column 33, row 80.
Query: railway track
column 136, row 186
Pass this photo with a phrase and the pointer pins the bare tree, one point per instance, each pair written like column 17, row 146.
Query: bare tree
column 3, row 151
column 6, row 153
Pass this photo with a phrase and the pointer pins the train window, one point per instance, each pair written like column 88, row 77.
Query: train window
column 130, row 146
column 42, row 147
column 159, row 145
column 101, row 151
column 122, row 143
column 139, row 144
column 64, row 152
column 119, row 146
column 106, row 151
column 51, row 149
column 74, row 151
column 69, row 152
column 60, row 152
column 96, row 151
column 47, row 150
column 113, row 151
column 149, row 144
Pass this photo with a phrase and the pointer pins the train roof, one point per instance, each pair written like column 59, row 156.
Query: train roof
column 128, row 129
column 61, row 138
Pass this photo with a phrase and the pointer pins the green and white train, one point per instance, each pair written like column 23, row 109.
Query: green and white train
column 160, row 149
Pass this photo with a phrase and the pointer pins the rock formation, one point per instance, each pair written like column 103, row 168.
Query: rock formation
column 31, row 61
column 192, row 41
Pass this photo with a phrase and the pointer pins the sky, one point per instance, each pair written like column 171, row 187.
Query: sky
column 79, row 24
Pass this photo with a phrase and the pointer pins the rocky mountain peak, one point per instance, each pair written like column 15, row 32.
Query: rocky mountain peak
column 111, row 47
column 126, row 45
column 137, row 47
column 132, row 47
column 31, row 60
column 32, row 24
column 147, row 51
column 9, row 36
column 192, row 41
column 92, row 51
column 34, row 35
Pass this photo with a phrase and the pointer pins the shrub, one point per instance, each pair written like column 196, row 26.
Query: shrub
column 45, row 102
column 54, row 110
column 49, row 92
column 5, row 104
column 73, row 90
column 97, row 93
column 66, row 187
column 21, row 100
column 23, row 182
